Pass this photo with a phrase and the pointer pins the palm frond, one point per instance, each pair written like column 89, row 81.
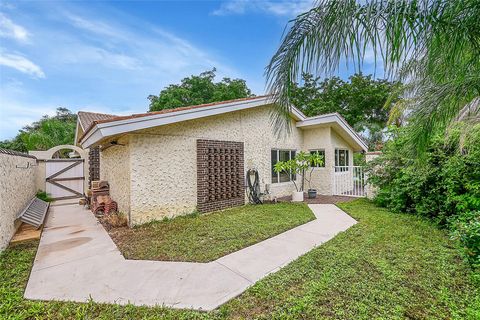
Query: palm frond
column 432, row 45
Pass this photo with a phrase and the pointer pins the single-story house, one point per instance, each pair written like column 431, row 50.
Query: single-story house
column 173, row 162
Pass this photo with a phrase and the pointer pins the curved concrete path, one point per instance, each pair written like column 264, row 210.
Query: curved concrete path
column 77, row 259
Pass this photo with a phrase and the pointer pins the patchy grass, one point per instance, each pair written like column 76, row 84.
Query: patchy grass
column 206, row 237
column 388, row 266
column 15, row 265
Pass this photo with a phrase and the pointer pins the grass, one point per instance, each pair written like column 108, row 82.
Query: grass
column 206, row 237
column 15, row 265
column 388, row 266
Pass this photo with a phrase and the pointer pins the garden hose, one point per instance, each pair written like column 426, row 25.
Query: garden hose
column 253, row 188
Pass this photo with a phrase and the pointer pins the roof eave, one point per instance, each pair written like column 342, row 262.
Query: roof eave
column 332, row 118
column 101, row 130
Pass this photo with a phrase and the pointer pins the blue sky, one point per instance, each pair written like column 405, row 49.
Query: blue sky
column 109, row 56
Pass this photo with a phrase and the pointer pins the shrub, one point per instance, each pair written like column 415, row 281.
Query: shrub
column 443, row 185
column 115, row 220
column 466, row 228
column 42, row 195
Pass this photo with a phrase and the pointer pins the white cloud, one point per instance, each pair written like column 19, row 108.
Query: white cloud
column 8, row 29
column 21, row 64
column 232, row 7
column 81, row 53
column 104, row 60
column 278, row 8
column 16, row 111
column 120, row 46
column 97, row 27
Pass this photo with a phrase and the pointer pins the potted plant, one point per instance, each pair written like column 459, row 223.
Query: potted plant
column 315, row 161
column 298, row 166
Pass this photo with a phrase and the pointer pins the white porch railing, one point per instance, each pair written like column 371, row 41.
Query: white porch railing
column 349, row 181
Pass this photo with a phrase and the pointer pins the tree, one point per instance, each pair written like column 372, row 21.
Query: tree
column 432, row 46
column 360, row 101
column 199, row 89
column 45, row 133
column 301, row 164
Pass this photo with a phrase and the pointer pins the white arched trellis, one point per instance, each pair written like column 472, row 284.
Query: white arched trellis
column 62, row 178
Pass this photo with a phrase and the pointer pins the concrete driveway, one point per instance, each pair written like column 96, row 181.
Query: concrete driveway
column 77, row 260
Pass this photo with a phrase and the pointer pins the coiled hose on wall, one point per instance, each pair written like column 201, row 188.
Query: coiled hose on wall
column 253, row 188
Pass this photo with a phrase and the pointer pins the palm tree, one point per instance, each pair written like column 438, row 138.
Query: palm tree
column 431, row 45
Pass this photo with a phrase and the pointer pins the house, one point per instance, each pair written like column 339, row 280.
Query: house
column 173, row 162
column 84, row 121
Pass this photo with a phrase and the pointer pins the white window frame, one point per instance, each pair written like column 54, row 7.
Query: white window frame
column 338, row 167
column 278, row 159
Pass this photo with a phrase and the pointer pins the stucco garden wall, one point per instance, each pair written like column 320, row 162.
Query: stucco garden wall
column 115, row 168
column 164, row 175
column 17, row 188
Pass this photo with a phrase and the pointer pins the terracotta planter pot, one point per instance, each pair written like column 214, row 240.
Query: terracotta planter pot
column 297, row 196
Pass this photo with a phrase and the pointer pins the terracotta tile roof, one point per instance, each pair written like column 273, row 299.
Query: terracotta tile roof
column 88, row 118
column 112, row 118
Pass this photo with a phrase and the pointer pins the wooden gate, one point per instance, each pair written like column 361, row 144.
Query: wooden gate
column 64, row 178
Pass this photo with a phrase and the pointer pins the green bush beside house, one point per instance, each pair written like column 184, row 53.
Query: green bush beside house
column 443, row 185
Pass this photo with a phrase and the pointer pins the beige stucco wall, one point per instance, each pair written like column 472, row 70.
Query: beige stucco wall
column 17, row 188
column 316, row 139
column 345, row 181
column 115, row 168
column 326, row 138
column 154, row 175
column 163, row 179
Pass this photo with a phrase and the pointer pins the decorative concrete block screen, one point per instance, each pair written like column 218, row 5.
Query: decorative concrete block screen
column 220, row 182
column 94, row 165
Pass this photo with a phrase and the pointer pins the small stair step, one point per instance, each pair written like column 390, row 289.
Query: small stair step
column 35, row 212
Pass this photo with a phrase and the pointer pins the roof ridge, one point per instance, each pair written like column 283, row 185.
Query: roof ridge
column 146, row 114
column 195, row 106
column 100, row 113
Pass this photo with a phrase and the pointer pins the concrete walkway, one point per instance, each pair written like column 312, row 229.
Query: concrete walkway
column 77, row 260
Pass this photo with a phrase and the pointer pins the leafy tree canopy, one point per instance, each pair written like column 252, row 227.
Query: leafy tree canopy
column 198, row 90
column 45, row 133
column 430, row 45
column 360, row 100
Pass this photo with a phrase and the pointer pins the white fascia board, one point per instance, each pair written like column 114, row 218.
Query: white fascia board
column 76, row 131
column 323, row 119
column 297, row 114
column 334, row 118
column 103, row 130
column 80, row 122
column 94, row 136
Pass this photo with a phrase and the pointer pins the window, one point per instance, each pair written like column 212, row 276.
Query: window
column 341, row 160
column 321, row 153
column 282, row 155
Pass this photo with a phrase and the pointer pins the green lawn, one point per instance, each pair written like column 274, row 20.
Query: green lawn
column 206, row 237
column 388, row 266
